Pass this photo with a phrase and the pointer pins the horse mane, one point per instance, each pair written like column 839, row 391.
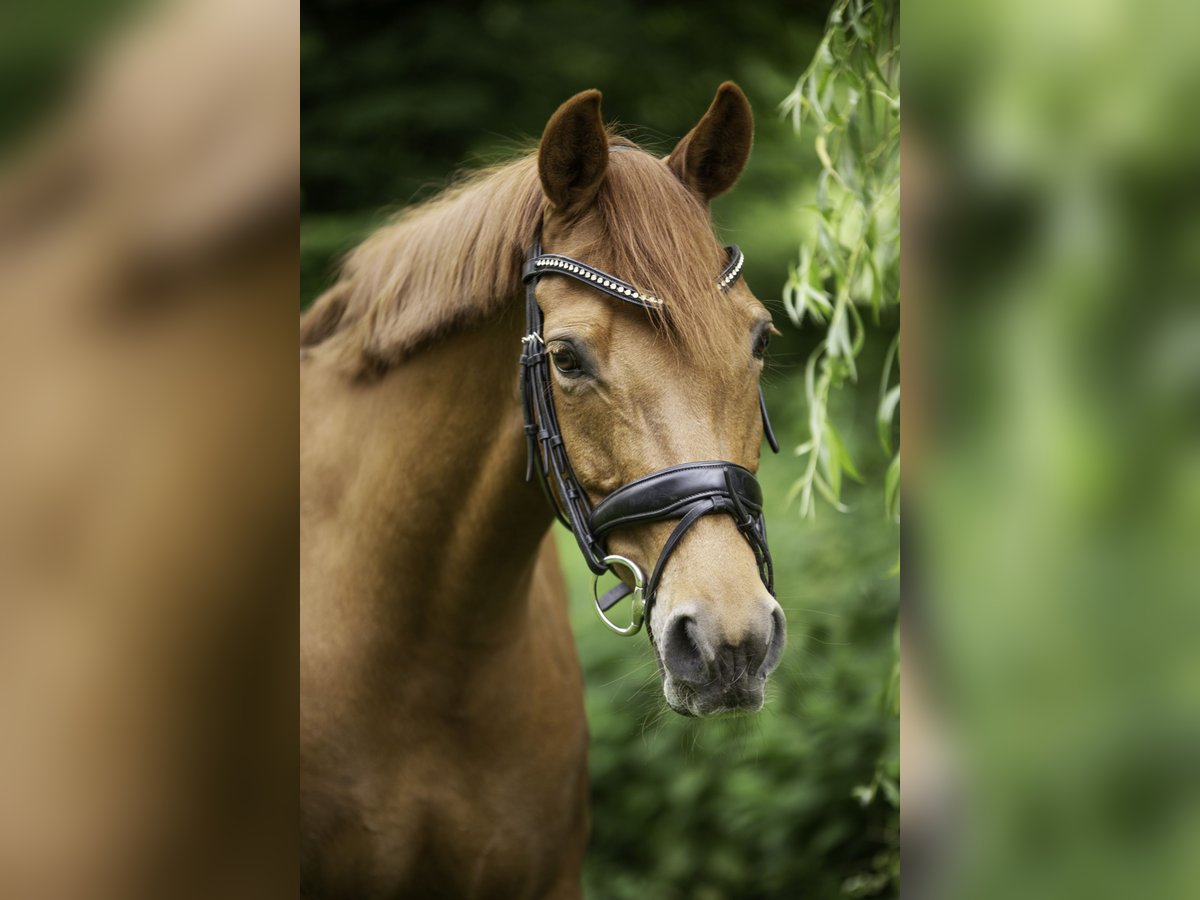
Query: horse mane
column 455, row 260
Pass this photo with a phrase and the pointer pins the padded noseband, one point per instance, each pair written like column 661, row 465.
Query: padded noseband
column 685, row 492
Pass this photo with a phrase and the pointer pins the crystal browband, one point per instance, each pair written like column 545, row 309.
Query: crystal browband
column 547, row 263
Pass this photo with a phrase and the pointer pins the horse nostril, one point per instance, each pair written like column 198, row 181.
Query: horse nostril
column 684, row 650
column 773, row 651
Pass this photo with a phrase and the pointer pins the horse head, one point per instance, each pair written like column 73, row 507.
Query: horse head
column 639, row 387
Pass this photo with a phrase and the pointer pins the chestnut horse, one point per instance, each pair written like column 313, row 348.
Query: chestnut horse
column 443, row 738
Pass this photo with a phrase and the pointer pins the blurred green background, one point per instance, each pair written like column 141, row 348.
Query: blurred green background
column 396, row 99
column 1055, row 256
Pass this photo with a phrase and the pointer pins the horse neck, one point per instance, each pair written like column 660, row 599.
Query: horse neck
column 425, row 469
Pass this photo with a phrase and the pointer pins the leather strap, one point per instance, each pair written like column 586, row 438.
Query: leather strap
column 768, row 431
column 546, row 453
column 613, row 596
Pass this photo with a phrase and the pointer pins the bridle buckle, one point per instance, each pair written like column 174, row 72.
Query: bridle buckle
column 637, row 612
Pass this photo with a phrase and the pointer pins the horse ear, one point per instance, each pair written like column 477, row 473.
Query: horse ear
column 712, row 155
column 573, row 155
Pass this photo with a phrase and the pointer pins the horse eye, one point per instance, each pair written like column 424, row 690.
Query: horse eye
column 761, row 342
column 564, row 359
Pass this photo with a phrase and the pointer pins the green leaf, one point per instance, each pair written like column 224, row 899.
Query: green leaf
column 864, row 793
column 814, row 103
column 832, row 467
column 842, row 454
column 886, row 416
column 826, row 491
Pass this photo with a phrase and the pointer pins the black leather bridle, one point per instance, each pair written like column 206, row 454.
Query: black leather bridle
column 684, row 492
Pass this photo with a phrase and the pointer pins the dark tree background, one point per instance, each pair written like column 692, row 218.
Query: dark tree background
column 398, row 97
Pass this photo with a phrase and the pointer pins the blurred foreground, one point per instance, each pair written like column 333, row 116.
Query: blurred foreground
column 1052, row 398
column 148, row 276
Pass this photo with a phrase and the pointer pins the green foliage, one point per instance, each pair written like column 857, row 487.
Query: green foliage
column 849, row 97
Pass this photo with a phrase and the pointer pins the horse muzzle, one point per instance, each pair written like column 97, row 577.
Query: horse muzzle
column 706, row 672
